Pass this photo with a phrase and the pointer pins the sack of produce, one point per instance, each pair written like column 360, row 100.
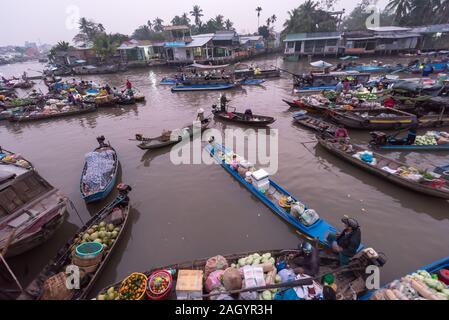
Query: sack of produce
column 214, row 264
column 232, row 279
column 297, row 210
column 309, row 217
column 213, row 281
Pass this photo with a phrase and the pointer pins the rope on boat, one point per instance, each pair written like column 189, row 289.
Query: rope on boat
column 77, row 213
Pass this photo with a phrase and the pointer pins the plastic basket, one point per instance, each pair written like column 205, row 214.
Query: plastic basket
column 132, row 274
column 89, row 250
column 159, row 296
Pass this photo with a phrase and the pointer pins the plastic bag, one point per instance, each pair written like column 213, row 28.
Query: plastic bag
column 214, row 280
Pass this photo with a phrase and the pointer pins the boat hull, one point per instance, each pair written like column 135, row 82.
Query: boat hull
column 388, row 176
column 415, row 148
column 17, row 118
column 211, row 87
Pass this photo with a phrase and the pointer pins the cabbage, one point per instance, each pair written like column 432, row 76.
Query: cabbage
column 256, row 261
column 266, row 295
column 266, row 256
column 249, row 261
column 278, row 279
column 434, row 284
column 272, row 261
column 242, row 262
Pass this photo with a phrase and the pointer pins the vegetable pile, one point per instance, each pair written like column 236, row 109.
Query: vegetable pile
column 418, row 286
column 110, row 294
column 159, row 284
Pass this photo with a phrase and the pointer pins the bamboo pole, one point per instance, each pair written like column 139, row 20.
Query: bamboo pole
column 11, row 273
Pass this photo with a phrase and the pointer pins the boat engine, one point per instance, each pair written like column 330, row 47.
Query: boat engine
column 369, row 256
column 139, row 137
column 378, row 138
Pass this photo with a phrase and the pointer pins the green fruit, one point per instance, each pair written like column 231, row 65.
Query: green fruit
column 101, row 297
column 90, row 231
column 93, row 236
column 102, row 229
column 102, row 224
column 108, row 234
column 117, row 229
column 110, row 290
column 110, row 227
column 85, row 236
column 95, row 227
column 114, row 234
column 101, row 234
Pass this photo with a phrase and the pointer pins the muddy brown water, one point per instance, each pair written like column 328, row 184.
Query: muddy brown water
column 193, row 211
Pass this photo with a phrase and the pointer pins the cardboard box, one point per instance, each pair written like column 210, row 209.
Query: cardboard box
column 189, row 285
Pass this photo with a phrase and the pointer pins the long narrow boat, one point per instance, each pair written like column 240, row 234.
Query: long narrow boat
column 378, row 119
column 203, row 87
column 438, row 188
column 433, row 121
column 413, row 147
column 316, row 124
column 99, row 176
column 31, row 209
column 241, row 118
column 259, row 74
column 64, row 258
column 30, row 117
column 168, row 82
column 349, row 279
column 272, row 198
column 165, row 141
column 439, row 268
column 252, row 82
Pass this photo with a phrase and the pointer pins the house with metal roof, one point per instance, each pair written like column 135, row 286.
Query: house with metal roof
column 434, row 37
column 391, row 39
column 199, row 48
column 135, row 53
column 318, row 43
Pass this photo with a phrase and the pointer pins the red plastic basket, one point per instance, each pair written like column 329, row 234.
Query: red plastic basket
column 155, row 296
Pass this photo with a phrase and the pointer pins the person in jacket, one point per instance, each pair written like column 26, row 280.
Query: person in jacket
column 347, row 242
column 307, row 261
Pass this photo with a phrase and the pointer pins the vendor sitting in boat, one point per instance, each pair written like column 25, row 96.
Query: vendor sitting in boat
column 347, row 242
column 235, row 163
column 342, row 134
column 307, row 261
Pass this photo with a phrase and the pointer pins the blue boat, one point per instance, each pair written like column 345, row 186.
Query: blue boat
column 99, row 173
column 443, row 147
column 317, row 82
column 203, row 87
column 372, row 68
column 252, row 82
column 432, row 268
column 168, row 82
column 317, row 231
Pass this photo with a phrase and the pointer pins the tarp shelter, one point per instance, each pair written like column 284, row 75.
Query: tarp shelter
column 321, row 64
column 207, row 67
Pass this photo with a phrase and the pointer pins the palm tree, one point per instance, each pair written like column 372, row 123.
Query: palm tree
column 219, row 22
column 400, row 8
column 197, row 13
column 150, row 24
column 158, row 24
column 185, row 19
column 101, row 28
column 273, row 18
column 268, row 22
column 229, row 24
column 258, row 9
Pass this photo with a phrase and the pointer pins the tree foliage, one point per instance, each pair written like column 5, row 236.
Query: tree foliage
column 419, row 12
column 310, row 17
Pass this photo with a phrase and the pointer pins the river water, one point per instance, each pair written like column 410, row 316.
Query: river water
column 193, row 211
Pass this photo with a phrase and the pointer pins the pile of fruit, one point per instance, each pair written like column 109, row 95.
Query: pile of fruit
column 111, row 294
column 102, row 233
column 133, row 287
column 426, row 140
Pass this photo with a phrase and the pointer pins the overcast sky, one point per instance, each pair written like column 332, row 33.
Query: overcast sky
column 48, row 21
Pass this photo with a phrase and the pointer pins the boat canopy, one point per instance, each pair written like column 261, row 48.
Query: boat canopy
column 206, row 67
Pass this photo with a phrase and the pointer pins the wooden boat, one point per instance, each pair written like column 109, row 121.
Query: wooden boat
column 434, row 268
column 438, row 188
column 433, row 121
column 25, row 117
column 165, row 140
column 373, row 119
column 31, row 209
column 35, row 291
column 127, row 100
column 273, row 198
column 203, row 87
column 374, row 68
column 414, row 147
column 318, row 82
column 349, row 279
column 261, row 74
column 104, row 190
column 241, row 118
column 316, row 124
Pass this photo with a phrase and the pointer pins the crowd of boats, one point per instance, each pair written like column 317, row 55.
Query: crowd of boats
column 33, row 209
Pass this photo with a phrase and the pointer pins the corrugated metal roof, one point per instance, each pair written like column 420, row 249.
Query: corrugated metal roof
column 432, row 29
column 389, row 29
column 312, row 36
column 199, row 41
column 225, row 35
